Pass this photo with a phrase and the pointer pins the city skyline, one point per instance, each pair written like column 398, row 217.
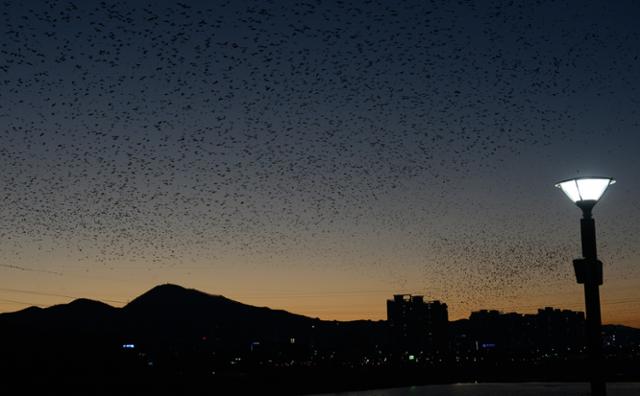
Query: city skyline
column 529, row 309
column 172, row 336
column 317, row 157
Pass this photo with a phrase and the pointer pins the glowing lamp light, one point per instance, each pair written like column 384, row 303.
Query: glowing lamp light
column 585, row 189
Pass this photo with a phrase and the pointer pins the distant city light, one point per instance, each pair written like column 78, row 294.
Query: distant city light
column 128, row 346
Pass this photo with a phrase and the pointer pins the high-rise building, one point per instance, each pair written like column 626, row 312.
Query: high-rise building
column 561, row 330
column 546, row 333
column 417, row 327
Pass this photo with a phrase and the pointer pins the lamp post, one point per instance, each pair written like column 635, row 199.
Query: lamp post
column 585, row 193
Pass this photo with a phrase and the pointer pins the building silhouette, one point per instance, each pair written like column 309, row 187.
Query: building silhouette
column 417, row 328
column 560, row 330
column 551, row 332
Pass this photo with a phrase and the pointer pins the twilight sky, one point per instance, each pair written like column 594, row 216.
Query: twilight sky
column 317, row 156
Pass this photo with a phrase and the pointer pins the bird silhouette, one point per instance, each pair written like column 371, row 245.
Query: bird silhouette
column 170, row 133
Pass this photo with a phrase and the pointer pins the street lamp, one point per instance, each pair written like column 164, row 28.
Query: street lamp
column 585, row 193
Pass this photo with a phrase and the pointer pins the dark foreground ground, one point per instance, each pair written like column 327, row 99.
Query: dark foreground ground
column 102, row 378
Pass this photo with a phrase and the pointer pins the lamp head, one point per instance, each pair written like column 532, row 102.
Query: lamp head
column 585, row 191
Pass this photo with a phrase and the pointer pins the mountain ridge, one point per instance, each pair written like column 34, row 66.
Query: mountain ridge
column 168, row 295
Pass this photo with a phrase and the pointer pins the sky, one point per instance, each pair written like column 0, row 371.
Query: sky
column 317, row 156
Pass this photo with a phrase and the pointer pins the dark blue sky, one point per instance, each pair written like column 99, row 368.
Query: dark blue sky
column 265, row 149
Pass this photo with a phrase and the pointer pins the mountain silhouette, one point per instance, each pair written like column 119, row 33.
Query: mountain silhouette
column 80, row 315
column 163, row 302
column 171, row 312
column 171, row 301
column 175, row 329
column 165, row 314
column 170, row 296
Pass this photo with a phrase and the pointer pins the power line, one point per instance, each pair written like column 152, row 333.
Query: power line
column 20, row 302
column 38, row 293
column 27, row 269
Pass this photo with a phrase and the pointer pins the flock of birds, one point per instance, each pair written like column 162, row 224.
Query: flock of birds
column 169, row 133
